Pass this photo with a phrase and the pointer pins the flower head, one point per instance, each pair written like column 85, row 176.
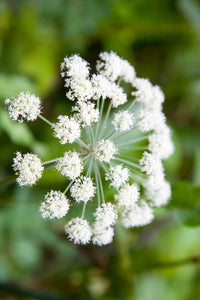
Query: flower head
column 104, row 150
column 78, row 231
column 67, row 130
column 128, row 195
column 138, row 215
column 86, row 113
column 102, row 236
column 123, row 121
column 113, row 67
column 83, row 189
column 75, row 66
column 28, row 168
column 150, row 163
column 160, row 195
column 160, row 142
column 56, row 205
column 70, row 165
column 116, row 137
column 117, row 175
column 25, row 107
column 105, row 215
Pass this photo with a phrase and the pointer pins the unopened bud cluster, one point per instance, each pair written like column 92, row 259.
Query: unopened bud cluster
column 121, row 138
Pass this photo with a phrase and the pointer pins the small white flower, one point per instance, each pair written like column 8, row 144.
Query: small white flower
column 138, row 215
column 87, row 113
column 151, row 97
column 56, row 205
column 113, row 67
column 78, row 89
column 144, row 93
column 118, row 176
column 75, row 66
column 67, row 130
column 83, row 189
column 28, row 168
column 150, row 163
column 155, row 180
column 160, row 143
column 102, row 236
column 151, row 120
column 123, row 121
column 105, row 215
column 102, row 87
column 128, row 195
column 117, row 95
column 104, row 150
column 25, row 107
column 78, row 231
column 159, row 196
column 70, row 165
column 157, row 99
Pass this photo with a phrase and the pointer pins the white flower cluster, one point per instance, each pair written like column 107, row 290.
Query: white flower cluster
column 28, row 168
column 117, row 176
column 83, row 189
column 105, row 217
column 104, row 150
column 56, row 205
column 26, row 107
column 67, row 130
column 70, row 165
column 123, row 121
column 114, row 67
column 105, row 140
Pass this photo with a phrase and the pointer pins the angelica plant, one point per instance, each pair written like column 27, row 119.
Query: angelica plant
column 121, row 139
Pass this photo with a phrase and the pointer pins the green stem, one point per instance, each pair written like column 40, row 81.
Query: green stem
column 101, row 185
column 90, row 168
column 50, row 161
column 99, row 121
column 105, row 168
column 82, row 144
column 92, row 134
column 87, row 175
column 133, row 149
column 88, row 134
column 67, row 188
column 97, row 184
column 45, row 120
column 83, row 211
column 111, row 134
column 125, row 133
column 134, row 141
column 105, row 121
column 129, row 163
column 132, row 105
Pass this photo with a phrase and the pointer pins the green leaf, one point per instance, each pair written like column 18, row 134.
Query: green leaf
column 186, row 203
column 189, row 217
column 19, row 133
column 185, row 195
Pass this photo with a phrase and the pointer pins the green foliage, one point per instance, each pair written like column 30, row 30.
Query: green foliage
column 186, row 201
column 185, row 195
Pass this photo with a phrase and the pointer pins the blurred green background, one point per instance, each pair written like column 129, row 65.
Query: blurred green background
column 162, row 40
